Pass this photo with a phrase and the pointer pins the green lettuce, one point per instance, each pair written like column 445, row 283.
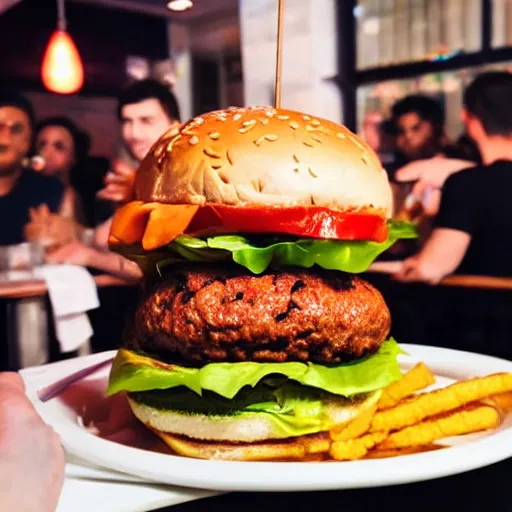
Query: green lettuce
column 353, row 256
column 293, row 410
column 134, row 372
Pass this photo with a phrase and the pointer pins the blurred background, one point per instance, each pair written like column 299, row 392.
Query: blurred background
column 87, row 86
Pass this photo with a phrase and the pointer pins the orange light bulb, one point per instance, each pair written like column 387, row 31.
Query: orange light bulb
column 62, row 70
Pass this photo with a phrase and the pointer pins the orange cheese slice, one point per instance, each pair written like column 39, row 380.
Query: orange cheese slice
column 165, row 223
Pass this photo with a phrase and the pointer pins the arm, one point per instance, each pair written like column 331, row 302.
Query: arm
column 446, row 247
column 68, row 204
column 441, row 255
column 85, row 256
column 101, row 234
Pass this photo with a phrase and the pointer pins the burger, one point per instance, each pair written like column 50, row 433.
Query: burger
column 255, row 336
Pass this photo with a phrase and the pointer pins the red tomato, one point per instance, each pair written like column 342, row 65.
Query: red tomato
column 310, row 222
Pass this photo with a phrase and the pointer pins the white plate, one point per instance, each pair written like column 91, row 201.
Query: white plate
column 464, row 454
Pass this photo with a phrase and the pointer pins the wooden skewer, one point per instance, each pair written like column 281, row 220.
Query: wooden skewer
column 279, row 57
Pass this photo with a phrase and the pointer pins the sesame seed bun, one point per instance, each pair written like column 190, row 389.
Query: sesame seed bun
column 262, row 155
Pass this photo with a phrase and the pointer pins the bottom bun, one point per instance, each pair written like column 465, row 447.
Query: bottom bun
column 248, row 427
column 310, row 448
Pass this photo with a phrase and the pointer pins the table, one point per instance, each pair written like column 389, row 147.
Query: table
column 20, row 290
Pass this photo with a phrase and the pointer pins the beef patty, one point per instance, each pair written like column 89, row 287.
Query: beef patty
column 200, row 316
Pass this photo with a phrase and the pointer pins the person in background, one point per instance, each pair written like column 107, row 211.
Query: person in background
column 25, row 193
column 418, row 123
column 473, row 229
column 146, row 110
column 65, row 152
column 31, row 456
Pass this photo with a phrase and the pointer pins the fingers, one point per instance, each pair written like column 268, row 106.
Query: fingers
column 11, row 381
column 123, row 169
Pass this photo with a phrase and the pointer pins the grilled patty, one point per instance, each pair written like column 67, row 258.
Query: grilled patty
column 201, row 315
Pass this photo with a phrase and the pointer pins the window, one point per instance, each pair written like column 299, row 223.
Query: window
column 390, row 32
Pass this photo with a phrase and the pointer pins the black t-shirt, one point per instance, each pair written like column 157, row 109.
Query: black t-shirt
column 478, row 201
column 30, row 191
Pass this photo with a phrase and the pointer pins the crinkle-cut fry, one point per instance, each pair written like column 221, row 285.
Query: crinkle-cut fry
column 356, row 428
column 354, row 449
column 503, row 401
column 470, row 419
column 424, row 405
column 377, row 453
column 414, row 380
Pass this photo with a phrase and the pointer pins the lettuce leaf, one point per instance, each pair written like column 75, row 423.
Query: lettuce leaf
column 353, row 256
column 135, row 372
column 292, row 409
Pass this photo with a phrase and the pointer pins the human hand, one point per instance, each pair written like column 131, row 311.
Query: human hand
column 31, row 457
column 50, row 229
column 430, row 172
column 73, row 254
column 415, row 270
column 119, row 184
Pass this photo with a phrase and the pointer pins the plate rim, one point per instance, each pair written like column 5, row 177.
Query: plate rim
column 297, row 476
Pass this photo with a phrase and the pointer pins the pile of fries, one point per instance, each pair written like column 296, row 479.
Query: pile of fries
column 405, row 421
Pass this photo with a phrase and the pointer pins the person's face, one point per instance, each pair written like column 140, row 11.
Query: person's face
column 55, row 144
column 15, row 138
column 415, row 137
column 142, row 124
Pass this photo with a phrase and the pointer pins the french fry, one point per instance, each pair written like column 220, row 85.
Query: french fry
column 377, row 453
column 356, row 427
column 354, row 449
column 472, row 418
column 503, row 401
column 414, row 380
column 417, row 408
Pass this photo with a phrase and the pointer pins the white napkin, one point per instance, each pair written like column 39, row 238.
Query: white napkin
column 72, row 292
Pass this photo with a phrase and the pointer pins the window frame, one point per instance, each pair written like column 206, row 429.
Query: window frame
column 349, row 78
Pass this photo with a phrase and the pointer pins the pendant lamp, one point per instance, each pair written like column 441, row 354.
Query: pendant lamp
column 62, row 70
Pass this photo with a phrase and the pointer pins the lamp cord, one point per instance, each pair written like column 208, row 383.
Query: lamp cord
column 61, row 15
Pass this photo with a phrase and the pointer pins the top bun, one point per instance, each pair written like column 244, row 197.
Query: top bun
column 262, row 155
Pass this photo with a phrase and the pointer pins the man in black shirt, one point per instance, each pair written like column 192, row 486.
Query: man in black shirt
column 23, row 189
column 473, row 229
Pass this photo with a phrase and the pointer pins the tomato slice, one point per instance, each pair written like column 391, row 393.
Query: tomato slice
column 309, row 222
column 155, row 225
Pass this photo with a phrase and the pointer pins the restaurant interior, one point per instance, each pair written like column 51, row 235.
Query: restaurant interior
column 87, row 90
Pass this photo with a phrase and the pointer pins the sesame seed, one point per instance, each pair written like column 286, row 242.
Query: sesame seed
column 270, row 113
column 315, row 122
column 251, row 122
column 228, row 156
column 264, row 121
column 317, row 138
column 259, row 141
column 246, row 129
column 296, row 169
column 193, row 140
column 341, row 135
column 283, row 118
column 306, row 118
column 236, row 117
column 271, row 137
column 310, row 128
column 312, row 173
column 199, row 120
column 296, row 158
column 294, row 125
column 364, row 160
column 169, row 146
column 216, row 166
column 214, row 135
column 211, row 153
column 308, row 144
